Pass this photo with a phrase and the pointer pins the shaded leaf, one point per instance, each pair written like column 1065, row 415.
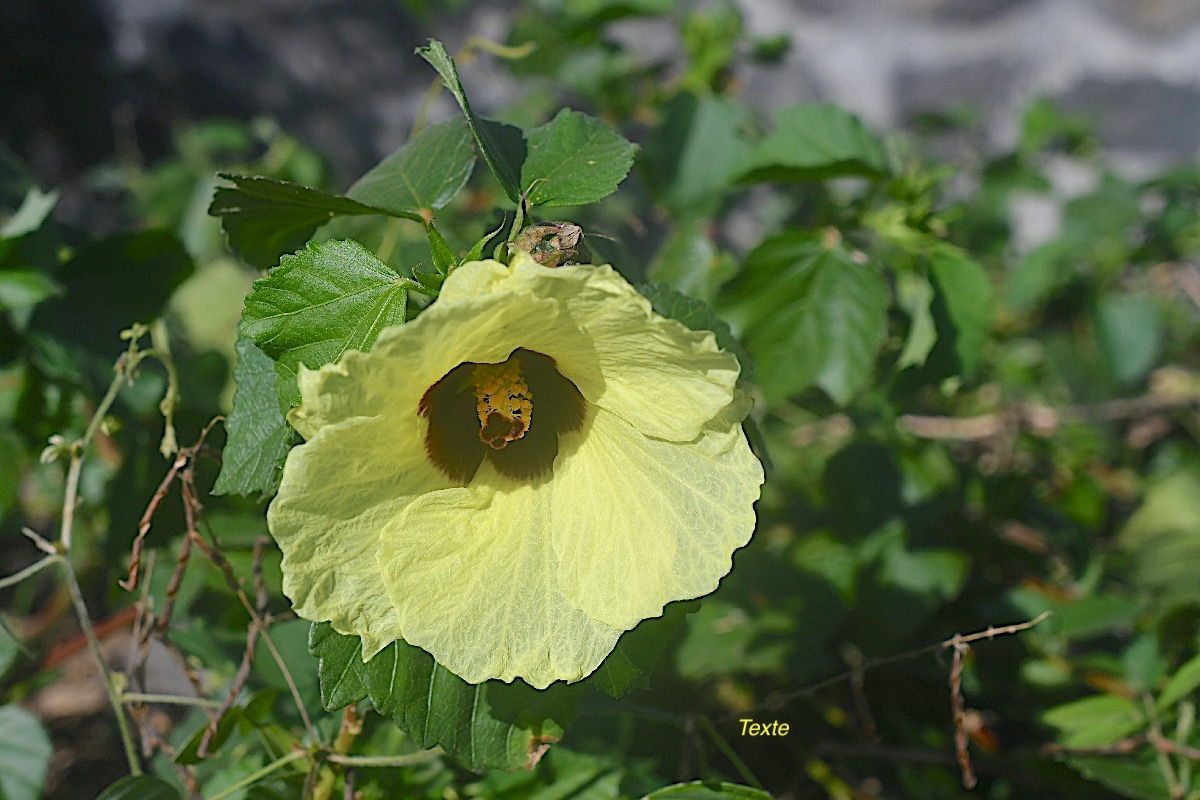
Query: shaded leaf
column 1129, row 332
column 690, row 262
column 339, row 666
column 265, row 218
column 574, row 159
column 423, row 174
column 1136, row 778
column 257, row 433
column 140, row 787
column 320, row 302
column 707, row 790
column 637, row 651
column 503, row 146
column 966, row 291
column 695, row 152
column 112, row 282
column 914, row 294
column 1184, row 682
column 1095, row 721
column 24, row 754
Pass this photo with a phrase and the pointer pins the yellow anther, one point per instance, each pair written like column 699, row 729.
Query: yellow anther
column 503, row 400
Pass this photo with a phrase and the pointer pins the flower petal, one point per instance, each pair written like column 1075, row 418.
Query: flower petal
column 473, row 576
column 340, row 492
column 639, row 522
column 664, row 379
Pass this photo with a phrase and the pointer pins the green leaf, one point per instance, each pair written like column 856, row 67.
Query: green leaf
column 424, row 174
column 291, row 641
column 914, row 294
column 1095, row 721
column 813, row 313
column 697, row 316
column 444, row 259
column 436, row 707
column 637, row 651
column 503, row 146
column 491, row 724
column 1163, row 537
column 691, row 263
column 707, row 790
column 24, row 754
column 1137, row 778
column 112, row 282
column 1184, row 682
column 140, row 787
column 967, row 293
column 932, row 573
column 723, row 638
column 574, row 159
column 339, row 666
column 1129, row 333
column 594, row 12
column 265, row 218
column 189, row 753
column 813, row 142
column 257, row 433
column 695, row 152
column 29, row 217
column 326, row 299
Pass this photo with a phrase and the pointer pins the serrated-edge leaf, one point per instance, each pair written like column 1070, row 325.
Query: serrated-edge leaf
column 489, row 135
column 328, row 298
column 574, row 159
column 423, row 174
column 264, row 217
column 339, row 666
column 257, row 434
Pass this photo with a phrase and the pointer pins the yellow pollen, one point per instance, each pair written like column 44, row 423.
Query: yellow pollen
column 503, row 400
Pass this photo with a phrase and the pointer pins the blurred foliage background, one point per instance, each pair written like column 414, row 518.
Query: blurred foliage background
column 961, row 433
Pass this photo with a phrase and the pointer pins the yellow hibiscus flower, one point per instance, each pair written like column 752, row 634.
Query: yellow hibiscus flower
column 531, row 467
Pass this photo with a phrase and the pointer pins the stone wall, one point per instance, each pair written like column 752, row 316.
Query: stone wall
column 341, row 74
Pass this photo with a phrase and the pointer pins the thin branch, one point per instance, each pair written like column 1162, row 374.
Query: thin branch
column 1038, row 419
column 135, row 768
column 961, row 738
column 406, row 760
column 169, row 699
column 258, row 775
column 811, row 690
column 32, row 569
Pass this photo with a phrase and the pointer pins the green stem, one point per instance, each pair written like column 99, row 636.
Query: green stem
column 169, row 699
column 85, row 622
column 733, row 757
column 32, row 569
column 257, row 775
column 405, row 760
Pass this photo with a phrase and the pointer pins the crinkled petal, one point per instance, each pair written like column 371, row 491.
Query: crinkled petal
column 638, row 522
column 473, row 576
column 340, row 492
column 662, row 378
